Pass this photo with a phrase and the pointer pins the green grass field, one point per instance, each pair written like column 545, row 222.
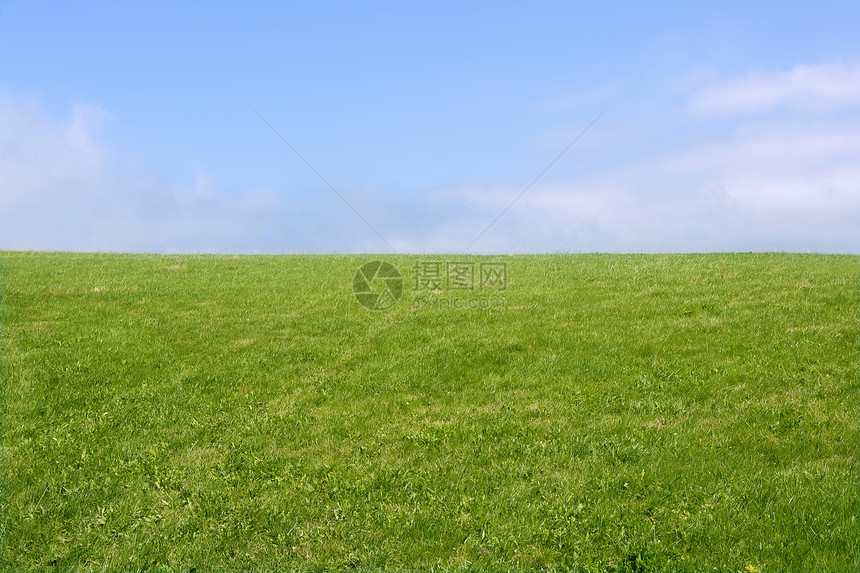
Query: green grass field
column 616, row 413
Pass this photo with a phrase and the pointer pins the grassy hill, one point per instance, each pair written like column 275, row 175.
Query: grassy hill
column 598, row 412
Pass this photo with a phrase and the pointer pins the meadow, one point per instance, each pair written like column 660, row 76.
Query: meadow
column 613, row 413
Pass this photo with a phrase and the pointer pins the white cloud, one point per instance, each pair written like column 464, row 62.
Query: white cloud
column 779, row 171
column 779, row 185
column 62, row 187
column 42, row 159
column 769, row 183
column 768, row 188
column 821, row 87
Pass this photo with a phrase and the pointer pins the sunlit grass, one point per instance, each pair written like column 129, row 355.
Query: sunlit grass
column 617, row 413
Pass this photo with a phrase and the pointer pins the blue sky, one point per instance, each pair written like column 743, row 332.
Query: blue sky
column 129, row 126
